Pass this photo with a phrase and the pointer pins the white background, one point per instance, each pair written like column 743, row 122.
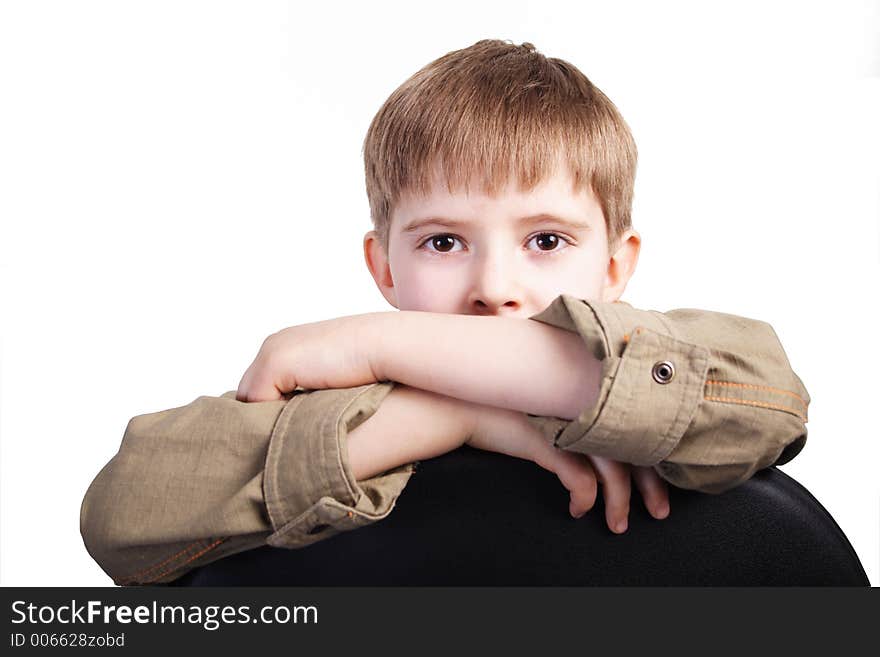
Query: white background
column 180, row 179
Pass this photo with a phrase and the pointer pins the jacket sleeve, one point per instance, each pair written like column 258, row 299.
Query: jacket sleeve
column 706, row 398
column 218, row 476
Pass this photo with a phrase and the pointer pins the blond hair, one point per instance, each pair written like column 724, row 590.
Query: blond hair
column 491, row 113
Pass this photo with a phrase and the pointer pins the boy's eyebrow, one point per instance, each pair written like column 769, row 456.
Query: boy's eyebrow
column 415, row 224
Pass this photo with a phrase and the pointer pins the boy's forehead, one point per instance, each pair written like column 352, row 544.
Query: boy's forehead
column 554, row 194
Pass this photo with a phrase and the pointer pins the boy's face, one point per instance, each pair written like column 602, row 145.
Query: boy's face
column 499, row 256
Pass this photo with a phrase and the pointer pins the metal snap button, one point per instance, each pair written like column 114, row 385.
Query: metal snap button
column 317, row 529
column 663, row 371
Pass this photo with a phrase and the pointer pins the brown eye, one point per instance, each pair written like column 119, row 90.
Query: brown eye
column 440, row 244
column 443, row 243
column 550, row 243
column 547, row 241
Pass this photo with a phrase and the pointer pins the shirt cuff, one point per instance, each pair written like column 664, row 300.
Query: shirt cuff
column 650, row 387
column 309, row 489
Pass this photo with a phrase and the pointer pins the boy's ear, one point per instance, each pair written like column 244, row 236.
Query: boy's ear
column 379, row 266
column 622, row 265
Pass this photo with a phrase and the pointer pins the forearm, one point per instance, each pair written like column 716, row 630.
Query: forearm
column 508, row 363
column 409, row 425
column 509, row 432
column 413, row 424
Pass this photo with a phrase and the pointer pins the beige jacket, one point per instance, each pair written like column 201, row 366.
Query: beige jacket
column 705, row 398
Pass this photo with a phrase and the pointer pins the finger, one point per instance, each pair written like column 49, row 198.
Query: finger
column 244, row 385
column 256, row 386
column 654, row 490
column 614, row 477
column 264, row 392
column 577, row 475
column 584, row 486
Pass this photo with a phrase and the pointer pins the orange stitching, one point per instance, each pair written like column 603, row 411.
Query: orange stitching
column 756, row 387
column 757, row 403
column 192, row 558
column 171, row 558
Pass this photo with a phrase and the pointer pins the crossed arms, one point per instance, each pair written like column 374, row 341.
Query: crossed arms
column 193, row 484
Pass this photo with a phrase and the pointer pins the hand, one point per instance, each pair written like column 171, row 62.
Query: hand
column 580, row 472
column 335, row 353
column 616, row 487
column 510, row 432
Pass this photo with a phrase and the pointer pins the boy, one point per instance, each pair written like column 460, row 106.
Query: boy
column 500, row 186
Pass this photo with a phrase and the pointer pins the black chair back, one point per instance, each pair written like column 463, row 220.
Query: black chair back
column 477, row 518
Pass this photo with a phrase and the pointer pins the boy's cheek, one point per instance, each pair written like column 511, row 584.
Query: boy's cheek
column 435, row 296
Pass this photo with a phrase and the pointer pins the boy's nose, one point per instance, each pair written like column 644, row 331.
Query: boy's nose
column 494, row 292
column 507, row 308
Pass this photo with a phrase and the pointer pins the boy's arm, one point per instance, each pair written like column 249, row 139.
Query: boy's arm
column 706, row 398
column 193, row 484
column 489, row 360
column 413, row 424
